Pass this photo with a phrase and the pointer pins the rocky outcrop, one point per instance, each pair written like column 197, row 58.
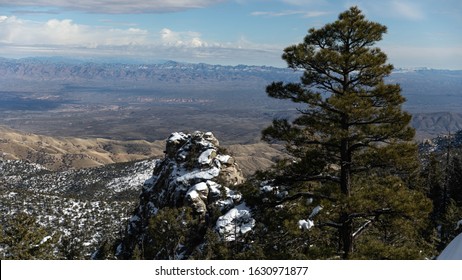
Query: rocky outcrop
column 197, row 175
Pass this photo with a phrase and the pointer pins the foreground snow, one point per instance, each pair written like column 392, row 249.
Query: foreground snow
column 453, row 251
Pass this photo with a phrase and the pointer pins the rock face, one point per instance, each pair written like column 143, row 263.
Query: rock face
column 194, row 174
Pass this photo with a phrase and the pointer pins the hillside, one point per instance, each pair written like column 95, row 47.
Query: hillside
column 63, row 153
column 429, row 125
column 81, row 208
column 60, row 153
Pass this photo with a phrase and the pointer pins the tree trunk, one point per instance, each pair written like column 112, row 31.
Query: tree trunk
column 346, row 230
column 346, row 236
column 345, row 169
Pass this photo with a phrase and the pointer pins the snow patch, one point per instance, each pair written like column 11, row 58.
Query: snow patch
column 459, row 223
column 305, row 224
column 453, row 251
column 141, row 177
column 177, row 136
column 235, row 223
column 223, row 158
column 45, row 239
column 315, row 211
column 206, row 156
column 198, row 175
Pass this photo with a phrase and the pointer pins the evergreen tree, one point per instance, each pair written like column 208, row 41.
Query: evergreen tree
column 455, row 180
column 433, row 176
column 22, row 238
column 352, row 141
column 172, row 233
column 448, row 224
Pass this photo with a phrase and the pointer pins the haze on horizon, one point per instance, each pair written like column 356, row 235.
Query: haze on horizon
column 421, row 33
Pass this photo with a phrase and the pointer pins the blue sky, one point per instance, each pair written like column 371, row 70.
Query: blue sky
column 421, row 33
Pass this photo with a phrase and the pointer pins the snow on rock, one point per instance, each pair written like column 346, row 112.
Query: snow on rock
column 195, row 174
column 315, row 211
column 199, row 190
column 305, row 224
column 267, row 188
column 198, row 175
column 206, row 157
column 453, row 251
column 45, row 239
column 235, row 223
column 224, row 158
column 176, row 136
column 309, row 223
column 459, row 224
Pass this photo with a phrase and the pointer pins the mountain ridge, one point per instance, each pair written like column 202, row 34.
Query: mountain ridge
column 94, row 99
column 63, row 153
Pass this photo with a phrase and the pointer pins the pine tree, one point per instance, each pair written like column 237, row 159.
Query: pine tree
column 434, row 184
column 173, row 233
column 455, row 180
column 22, row 238
column 352, row 143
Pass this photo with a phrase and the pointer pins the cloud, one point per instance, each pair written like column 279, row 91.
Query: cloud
column 302, row 2
column 290, row 13
column 183, row 39
column 16, row 31
column 20, row 37
column 448, row 57
column 115, row 6
column 407, row 10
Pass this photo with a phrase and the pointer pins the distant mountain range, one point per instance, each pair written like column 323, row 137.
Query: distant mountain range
column 51, row 95
column 40, row 69
column 414, row 81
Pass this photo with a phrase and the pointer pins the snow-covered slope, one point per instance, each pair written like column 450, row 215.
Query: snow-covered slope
column 84, row 207
column 453, row 251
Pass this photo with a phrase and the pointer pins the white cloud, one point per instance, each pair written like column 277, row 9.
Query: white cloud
column 22, row 38
column 181, row 39
column 54, row 32
column 290, row 13
column 303, row 2
column 115, row 6
column 407, row 10
column 16, row 31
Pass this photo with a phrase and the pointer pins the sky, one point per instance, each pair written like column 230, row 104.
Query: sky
column 421, row 33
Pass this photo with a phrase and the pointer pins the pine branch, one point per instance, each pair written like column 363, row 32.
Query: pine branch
column 299, row 195
column 362, row 228
column 310, row 178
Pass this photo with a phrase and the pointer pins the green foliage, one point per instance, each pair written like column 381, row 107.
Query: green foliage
column 455, row 180
column 106, row 250
column 443, row 185
column 171, row 233
column 213, row 248
column 351, row 148
column 396, row 230
column 434, row 185
column 70, row 248
column 22, row 238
